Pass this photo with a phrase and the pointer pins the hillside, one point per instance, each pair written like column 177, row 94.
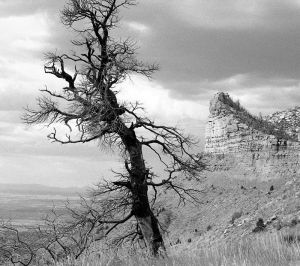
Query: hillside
column 228, row 199
column 250, row 189
column 251, row 175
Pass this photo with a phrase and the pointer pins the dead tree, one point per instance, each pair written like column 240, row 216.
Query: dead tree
column 53, row 241
column 14, row 248
column 89, row 108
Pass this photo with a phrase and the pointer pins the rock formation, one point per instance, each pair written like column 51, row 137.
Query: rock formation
column 230, row 129
column 288, row 119
column 263, row 148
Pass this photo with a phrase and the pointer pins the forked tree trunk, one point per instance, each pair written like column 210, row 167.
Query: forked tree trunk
column 139, row 188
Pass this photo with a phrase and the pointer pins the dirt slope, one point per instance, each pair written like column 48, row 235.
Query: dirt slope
column 277, row 202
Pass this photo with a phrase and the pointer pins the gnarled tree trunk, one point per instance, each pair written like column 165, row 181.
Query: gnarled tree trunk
column 139, row 189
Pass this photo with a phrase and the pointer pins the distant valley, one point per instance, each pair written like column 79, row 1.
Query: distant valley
column 29, row 204
column 36, row 189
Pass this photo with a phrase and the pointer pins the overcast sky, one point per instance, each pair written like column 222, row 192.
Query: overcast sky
column 250, row 49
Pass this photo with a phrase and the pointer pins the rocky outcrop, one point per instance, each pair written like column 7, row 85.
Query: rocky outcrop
column 289, row 120
column 262, row 166
column 238, row 141
column 230, row 129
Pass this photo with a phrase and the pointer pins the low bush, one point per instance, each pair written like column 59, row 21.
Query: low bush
column 235, row 216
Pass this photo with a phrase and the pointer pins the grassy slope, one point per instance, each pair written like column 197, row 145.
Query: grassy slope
column 268, row 250
column 224, row 196
column 189, row 242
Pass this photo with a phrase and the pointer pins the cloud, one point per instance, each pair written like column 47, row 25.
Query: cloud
column 158, row 102
column 213, row 14
column 237, row 14
column 247, row 48
column 20, row 8
column 25, row 35
column 139, row 27
column 203, row 42
column 197, row 42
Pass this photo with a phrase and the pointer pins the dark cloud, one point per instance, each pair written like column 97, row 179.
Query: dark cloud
column 196, row 58
column 189, row 55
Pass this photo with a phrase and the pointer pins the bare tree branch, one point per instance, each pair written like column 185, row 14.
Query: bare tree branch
column 88, row 106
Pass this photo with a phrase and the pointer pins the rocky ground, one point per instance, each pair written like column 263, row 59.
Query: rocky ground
column 253, row 186
column 232, row 207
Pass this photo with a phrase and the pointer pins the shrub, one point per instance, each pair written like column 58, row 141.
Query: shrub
column 236, row 215
column 260, row 226
column 294, row 222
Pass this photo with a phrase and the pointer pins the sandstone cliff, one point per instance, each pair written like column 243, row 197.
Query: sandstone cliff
column 249, row 146
column 230, row 128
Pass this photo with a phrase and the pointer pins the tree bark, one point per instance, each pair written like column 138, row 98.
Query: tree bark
column 139, row 188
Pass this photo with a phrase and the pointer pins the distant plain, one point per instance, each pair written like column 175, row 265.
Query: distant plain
column 28, row 204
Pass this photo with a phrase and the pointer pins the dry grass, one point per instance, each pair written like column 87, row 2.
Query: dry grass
column 265, row 250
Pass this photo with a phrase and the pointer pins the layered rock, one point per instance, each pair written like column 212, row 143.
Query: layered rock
column 236, row 140
column 262, row 165
column 229, row 129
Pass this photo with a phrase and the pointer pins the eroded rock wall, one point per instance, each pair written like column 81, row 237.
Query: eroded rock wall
column 261, row 165
column 226, row 133
column 234, row 145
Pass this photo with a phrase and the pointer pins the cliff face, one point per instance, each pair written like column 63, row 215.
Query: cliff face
column 230, row 129
column 238, row 141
